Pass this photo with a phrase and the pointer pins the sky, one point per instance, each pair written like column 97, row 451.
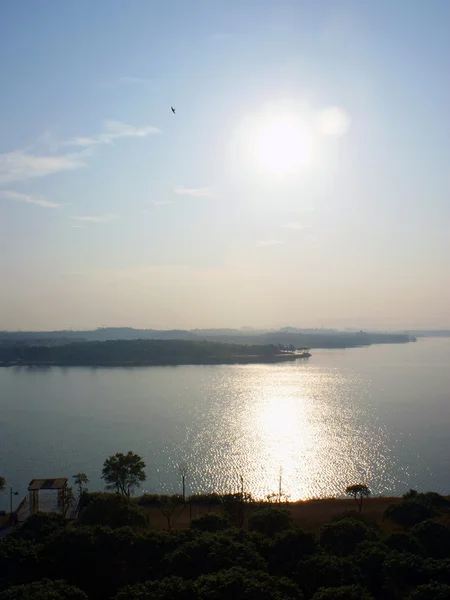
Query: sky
column 303, row 180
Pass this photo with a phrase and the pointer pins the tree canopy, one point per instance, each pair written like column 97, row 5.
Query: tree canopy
column 124, row 472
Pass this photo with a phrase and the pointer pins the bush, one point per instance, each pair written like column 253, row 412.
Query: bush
column 342, row 537
column 434, row 538
column 289, row 547
column 113, row 510
column 39, row 527
column 346, row 592
column 326, row 571
column 210, row 522
column 43, row 590
column 431, row 591
column 404, row 542
column 356, row 516
column 171, row 588
column 409, row 512
column 238, row 584
column 212, row 552
column 269, row 521
column 212, row 498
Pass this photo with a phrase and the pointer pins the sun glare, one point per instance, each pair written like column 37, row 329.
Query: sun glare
column 282, row 145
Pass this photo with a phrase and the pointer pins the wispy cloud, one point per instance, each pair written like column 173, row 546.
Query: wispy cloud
column 296, row 226
column 121, row 81
column 27, row 199
column 20, row 165
column 196, row 192
column 268, row 243
column 113, row 130
column 108, row 218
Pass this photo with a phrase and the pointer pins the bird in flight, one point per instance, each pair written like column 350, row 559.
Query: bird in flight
column 173, row 110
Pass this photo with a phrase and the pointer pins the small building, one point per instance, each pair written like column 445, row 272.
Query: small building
column 52, row 500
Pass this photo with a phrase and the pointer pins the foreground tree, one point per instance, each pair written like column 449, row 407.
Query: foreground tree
column 43, row 590
column 408, row 513
column 80, row 480
column 124, row 472
column 358, row 492
column 112, row 510
column 2, row 483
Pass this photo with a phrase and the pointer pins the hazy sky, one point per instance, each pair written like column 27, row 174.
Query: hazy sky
column 304, row 179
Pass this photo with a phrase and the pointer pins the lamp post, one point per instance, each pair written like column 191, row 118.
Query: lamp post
column 11, row 494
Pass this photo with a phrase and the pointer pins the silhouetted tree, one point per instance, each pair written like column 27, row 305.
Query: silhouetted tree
column 170, row 588
column 358, row 492
column 67, row 499
column 123, row 472
column 2, row 483
column 431, row 591
column 81, row 479
column 433, row 537
column 183, row 471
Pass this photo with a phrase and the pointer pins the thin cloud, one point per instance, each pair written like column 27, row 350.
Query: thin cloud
column 296, row 226
column 113, row 130
column 19, row 165
column 27, row 199
column 196, row 192
column 108, row 218
column 268, row 243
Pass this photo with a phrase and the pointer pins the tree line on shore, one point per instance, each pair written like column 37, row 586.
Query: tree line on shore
column 242, row 549
column 129, row 352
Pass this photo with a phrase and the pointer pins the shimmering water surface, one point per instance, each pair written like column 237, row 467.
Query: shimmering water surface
column 379, row 414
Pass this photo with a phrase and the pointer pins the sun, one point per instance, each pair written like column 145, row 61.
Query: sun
column 282, row 144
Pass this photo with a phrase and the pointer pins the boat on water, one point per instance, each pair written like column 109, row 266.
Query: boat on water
column 303, row 352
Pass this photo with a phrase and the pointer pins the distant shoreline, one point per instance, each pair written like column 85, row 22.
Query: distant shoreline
column 176, row 362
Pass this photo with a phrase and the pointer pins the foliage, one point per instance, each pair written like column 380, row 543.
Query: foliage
column 358, row 491
column 40, row 526
column 342, row 537
column 236, row 506
column 19, row 560
column 210, row 522
column 170, row 588
column 212, row 552
column 326, row 571
column 123, row 472
column 346, row 592
column 404, row 542
column 434, row 538
column 240, row 584
column 356, row 516
column 408, row 512
column 67, row 499
column 288, row 547
column 43, row 590
column 269, row 521
column 113, row 510
column 2, row 483
column 80, row 480
column 431, row 591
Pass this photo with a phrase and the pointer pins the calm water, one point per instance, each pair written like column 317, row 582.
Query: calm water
column 379, row 414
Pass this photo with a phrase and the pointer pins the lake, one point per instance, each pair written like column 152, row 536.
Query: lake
column 379, row 415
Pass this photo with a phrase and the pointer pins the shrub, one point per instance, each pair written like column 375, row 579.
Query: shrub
column 210, row 522
column 43, row 590
column 346, row 592
column 269, row 521
column 171, row 588
column 113, row 510
column 342, row 537
column 431, row 591
column 408, row 513
column 434, row 538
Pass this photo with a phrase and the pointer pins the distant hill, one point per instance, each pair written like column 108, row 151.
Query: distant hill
column 314, row 338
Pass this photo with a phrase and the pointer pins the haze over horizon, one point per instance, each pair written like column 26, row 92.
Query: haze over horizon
column 303, row 179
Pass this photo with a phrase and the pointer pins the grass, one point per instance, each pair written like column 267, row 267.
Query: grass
column 310, row 515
